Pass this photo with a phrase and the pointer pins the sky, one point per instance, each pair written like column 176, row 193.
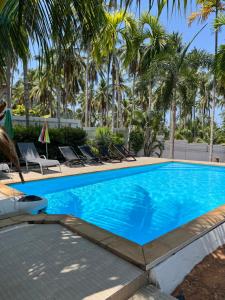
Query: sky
column 178, row 22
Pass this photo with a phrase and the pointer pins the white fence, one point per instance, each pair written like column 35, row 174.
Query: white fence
column 183, row 150
column 52, row 122
column 91, row 132
column 194, row 151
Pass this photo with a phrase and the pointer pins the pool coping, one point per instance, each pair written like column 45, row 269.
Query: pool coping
column 146, row 256
column 111, row 167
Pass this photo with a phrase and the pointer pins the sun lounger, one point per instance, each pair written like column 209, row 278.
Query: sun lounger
column 107, row 155
column 31, row 156
column 123, row 152
column 71, row 157
column 88, row 153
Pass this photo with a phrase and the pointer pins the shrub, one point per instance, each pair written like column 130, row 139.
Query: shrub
column 103, row 136
column 118, row 138
column 58, row 137
column 136, row 140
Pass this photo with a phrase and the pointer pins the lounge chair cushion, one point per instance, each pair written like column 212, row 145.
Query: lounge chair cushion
column 30, row 155
column 45, row 162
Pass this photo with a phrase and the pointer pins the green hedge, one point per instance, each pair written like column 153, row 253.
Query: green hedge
column 58, row 137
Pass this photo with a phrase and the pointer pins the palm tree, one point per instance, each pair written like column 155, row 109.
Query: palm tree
column 105, row 45
column 31, row 20
column 101, row 99
column 154, row 40
column 146, row 40
column 196, row 62
column 38, row 15
column 208, row 7
column 172, row 67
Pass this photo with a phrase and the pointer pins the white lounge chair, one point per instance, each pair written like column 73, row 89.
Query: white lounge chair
column 4, row 167
column 31, row 156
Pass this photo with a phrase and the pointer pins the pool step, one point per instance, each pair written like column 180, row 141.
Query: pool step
column 130, row 288
column 150, row 292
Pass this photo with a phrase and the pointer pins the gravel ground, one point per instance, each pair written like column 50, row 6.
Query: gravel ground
column 206, row 281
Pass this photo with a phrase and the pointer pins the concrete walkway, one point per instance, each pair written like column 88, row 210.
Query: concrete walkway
column 43, row 261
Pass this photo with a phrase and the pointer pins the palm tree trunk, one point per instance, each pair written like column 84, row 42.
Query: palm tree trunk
column 58, row 88
column 117, row 101
column 107, row 91
column 133, row 93
column 113, row 94
column 132, row 112
column 8, row 82
column 214, row 92
column 172, row 126
column 26, row 90
column 86, row 89
column 91, row 87
column 150, row 95
column 119, row 112
column 58, row 105
column 102, row 113
column 194, row 118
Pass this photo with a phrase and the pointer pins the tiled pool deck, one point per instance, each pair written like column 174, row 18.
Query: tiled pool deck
column 55, row 263
column 146, row 256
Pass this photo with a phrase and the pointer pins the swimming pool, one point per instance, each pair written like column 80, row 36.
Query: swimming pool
column 138, row 203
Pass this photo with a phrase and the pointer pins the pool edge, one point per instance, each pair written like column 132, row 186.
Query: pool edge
column 145, row 257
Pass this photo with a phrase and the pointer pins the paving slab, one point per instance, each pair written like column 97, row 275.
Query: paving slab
column 48, row 261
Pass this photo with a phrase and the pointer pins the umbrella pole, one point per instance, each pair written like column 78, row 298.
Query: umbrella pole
column 46, row 148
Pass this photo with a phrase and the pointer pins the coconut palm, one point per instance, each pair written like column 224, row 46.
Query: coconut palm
column 101, row 99
column 173, row 68
column 206, row 8
column 37, row 21
column 153, row 41
column 38, row 15
column 105, row 45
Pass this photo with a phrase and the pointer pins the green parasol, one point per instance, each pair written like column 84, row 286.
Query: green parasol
column 8, row 124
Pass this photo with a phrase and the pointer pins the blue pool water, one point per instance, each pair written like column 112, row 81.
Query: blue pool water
column 140, row 203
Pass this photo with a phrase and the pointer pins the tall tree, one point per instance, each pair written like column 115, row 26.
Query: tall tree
column 105, row 45
column 208, row 7
column 26, row 90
